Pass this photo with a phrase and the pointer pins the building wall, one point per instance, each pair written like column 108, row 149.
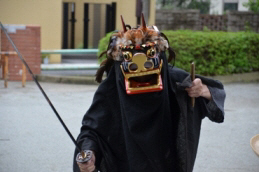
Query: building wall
column 46, row 14
column 217, row 6
column 27, row 40
column 241, row 7
column 128, row 10
column 125, row 8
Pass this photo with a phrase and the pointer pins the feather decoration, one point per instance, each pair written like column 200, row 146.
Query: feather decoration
column 170, row 50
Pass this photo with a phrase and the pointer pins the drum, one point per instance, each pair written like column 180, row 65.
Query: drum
column 254, row 142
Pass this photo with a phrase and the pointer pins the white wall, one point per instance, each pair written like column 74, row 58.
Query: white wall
column 217, row 6
column 241, row 7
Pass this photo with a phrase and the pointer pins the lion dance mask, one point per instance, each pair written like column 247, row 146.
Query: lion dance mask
column 138, row 50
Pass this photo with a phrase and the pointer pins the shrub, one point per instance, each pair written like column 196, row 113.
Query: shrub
column 102, row 46
column 252, row 5
column 214, row 53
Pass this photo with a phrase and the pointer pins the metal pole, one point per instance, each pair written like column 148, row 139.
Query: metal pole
column 73, row 20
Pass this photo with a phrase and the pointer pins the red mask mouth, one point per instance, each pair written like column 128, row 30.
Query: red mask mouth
column 133, row 86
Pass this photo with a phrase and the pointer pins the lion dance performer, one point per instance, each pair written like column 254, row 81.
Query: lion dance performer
column 141, row 118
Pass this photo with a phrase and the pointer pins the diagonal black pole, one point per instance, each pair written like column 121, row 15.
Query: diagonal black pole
column 42, row 91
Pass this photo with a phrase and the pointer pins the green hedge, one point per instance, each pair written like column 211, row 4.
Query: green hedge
column 102, row 46
column 214, row 53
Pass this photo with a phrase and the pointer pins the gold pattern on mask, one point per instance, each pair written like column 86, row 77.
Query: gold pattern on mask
column 127, row 55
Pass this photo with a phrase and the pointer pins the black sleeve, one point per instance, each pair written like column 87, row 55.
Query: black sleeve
column 95, row 126
column 214, row 109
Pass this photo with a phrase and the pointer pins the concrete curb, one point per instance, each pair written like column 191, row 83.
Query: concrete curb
column 244, row 77
column 70, row 66
column 68, row 79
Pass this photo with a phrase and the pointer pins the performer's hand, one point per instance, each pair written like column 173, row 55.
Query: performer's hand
column 88, row 166
column 198, row 89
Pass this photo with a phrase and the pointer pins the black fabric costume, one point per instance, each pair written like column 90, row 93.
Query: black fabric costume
column 148, row 132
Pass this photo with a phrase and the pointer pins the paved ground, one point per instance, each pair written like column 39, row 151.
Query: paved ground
column 32, row 139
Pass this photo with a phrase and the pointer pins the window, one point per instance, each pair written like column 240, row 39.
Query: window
column 230, row 6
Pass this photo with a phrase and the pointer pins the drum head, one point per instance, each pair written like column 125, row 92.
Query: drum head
column 254, row 142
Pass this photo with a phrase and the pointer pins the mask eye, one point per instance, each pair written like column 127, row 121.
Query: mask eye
column 127, row 55
column 151, row 52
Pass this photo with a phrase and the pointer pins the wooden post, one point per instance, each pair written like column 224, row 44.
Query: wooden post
column 2, row 67
column 5, row 66
column 23, row 75
column 5, row 71
column 193, row 78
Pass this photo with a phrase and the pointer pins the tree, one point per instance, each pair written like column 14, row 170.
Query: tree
column 171, row 3
column 202, row 5
column 252, row 5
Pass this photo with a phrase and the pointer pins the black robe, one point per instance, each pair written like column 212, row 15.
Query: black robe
column 148, row 132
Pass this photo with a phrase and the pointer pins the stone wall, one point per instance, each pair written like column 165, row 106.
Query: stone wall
column 238, row 21
column 174, row 20
column 27, row 40
column 214, row 22
column 193, row 20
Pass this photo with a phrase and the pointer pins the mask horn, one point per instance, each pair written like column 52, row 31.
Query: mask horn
column 144, row 26
column 123, row 24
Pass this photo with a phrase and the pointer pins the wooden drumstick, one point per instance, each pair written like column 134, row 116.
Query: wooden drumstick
column 192, row 78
